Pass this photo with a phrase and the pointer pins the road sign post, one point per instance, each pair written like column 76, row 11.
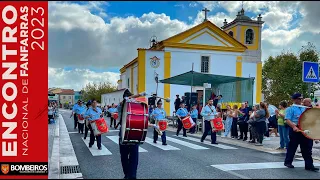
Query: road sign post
column 310, row 72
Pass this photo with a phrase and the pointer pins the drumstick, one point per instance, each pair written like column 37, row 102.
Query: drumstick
column 305, row 131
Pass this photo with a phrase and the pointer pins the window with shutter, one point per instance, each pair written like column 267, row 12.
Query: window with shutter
column 205, row 64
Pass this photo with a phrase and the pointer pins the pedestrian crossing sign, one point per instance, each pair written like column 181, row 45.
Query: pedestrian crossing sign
column 310, row 72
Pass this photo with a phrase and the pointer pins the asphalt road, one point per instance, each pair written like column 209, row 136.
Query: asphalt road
column 182, row 159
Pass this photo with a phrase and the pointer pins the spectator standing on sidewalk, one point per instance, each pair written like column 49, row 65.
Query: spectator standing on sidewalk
column 242, row 121
column 252, row 124
column 234, row 126
column 261, row 116
column 50, row 113
column 282, row 126
column 228, row 122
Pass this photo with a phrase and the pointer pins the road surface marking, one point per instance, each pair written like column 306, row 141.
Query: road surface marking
column 208, row 143
column 114, row 130
column 94, row 150
column 73, row 132
column 250, row 166
column 115, row 139
column 184, row 143
column 159, row 145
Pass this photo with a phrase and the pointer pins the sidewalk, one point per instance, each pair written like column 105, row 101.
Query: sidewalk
column 63, row 163
column 269, row 146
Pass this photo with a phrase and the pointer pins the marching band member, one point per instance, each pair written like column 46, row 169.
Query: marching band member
column 209, row 112
column 194, row 116
column 182, row 112
column 78, row 109
column 292, row 116
column 159, row 114
column 129, row 153
column 112, row 110
column 86, row 128
column 94, row 113
column 74, row 113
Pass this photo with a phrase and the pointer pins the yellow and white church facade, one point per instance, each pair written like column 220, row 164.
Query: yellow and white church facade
column 232, row 50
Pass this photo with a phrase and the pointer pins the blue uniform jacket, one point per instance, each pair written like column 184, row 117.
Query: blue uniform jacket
column 182, row 112
column 92, row 115
column 194, row 113
column 160, row 114
column 293, row 113
column 206, row 111
column 113, row 110
column 79, row 109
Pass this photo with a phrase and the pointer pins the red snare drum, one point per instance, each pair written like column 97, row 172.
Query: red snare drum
column 115, row 116
column 80, row 117
column 188, row 123
column 134, row 125
column 217, row 124
column 99, row 126
column 162, row 124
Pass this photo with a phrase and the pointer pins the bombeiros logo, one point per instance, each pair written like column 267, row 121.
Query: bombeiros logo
column 5, row 168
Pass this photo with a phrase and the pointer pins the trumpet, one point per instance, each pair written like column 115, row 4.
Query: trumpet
column 165, row 99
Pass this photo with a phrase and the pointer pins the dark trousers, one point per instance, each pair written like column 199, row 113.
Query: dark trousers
column 193, row 129
column 80, row 127
column 208, row 129
column 243, row 130
column 180, row 126
column 297, row 138
column 163, row 136
column 86, row 129
column 93, row 137
column 234, row 128
column 75, row 118
column 260, row 130
column 112, row 121
column 129, row 160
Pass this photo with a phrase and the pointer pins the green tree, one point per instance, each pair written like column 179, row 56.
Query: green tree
column 282, row 75
column 94, row 90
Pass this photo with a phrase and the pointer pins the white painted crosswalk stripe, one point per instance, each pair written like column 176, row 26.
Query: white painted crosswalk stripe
column 115, row 139
column 250, row 166
column 158, row 145
column 208, row 143
column 184, row 143
column 94, row 150
column 114, row 130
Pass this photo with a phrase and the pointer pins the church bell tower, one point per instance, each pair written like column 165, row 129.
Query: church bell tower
column 248, row 32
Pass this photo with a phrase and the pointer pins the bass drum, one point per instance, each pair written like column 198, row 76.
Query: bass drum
column 134, row 125
column 310, row 121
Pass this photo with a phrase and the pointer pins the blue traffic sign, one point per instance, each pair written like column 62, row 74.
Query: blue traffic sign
column 310, row 72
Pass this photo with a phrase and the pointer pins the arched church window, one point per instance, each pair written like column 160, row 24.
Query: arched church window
column 249, row 36
column 231, row 33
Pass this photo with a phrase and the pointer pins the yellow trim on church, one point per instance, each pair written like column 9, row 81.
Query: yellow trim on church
column 167, row 69
column 212, row 35
column 238, row 74
column 259, row 82
column 256, row 37
column 202, row 47
column 141, row 70
column 207, row 24
column 131, row 78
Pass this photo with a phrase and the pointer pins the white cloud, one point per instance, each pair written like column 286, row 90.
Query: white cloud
column 190, row 18
column 277, row 19
column 78, row 78
column 310, row 12
column 280, row 37
column 81, row 39
column 193, row 4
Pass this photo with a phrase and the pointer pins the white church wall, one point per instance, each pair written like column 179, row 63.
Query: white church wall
column 135, row 79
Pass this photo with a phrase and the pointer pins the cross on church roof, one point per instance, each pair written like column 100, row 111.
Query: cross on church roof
column 205, row 13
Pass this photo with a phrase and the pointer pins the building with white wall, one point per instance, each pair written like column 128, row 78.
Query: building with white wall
column 114, row 97
column 232, row 50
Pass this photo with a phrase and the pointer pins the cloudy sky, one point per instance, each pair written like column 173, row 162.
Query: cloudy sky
column 91, row 41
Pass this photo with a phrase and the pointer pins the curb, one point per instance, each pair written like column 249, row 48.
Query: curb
column 54, row 168
column 244, row 145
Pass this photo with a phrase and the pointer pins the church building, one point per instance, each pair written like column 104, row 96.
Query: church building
column 232, row 50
